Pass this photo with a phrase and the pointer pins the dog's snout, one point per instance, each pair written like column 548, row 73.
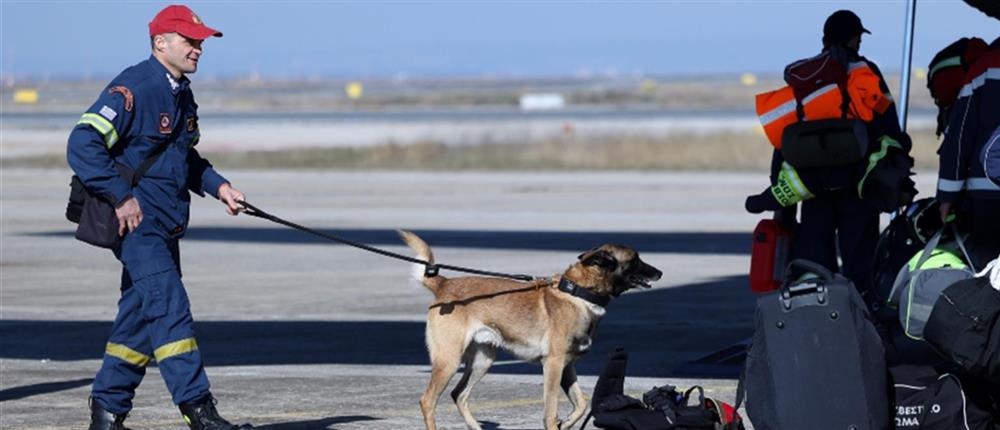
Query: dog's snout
column 652, row 272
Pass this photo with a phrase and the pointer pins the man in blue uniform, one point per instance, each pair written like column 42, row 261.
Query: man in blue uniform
column 148, row 111
column 964, row 184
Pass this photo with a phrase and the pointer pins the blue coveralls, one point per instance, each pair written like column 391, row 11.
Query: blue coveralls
column 140, row 109
column 962, row 176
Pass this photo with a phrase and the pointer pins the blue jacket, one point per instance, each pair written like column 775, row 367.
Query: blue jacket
column 974, row 118
column 140, row 109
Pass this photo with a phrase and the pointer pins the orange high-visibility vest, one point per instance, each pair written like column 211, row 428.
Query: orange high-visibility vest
column 776, row 109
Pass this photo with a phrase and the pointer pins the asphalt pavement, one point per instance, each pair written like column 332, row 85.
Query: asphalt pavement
column 298, row 333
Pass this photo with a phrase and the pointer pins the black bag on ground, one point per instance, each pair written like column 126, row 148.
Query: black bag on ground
column 926, row 400
column 816, row 361
column 963, row 326
column 661, row 408
column 97, row 223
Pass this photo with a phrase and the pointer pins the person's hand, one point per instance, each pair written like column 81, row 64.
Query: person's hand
column 231, row 197
column 945, row 208
column 129, row 216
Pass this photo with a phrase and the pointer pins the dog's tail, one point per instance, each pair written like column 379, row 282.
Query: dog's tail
column 424, row 253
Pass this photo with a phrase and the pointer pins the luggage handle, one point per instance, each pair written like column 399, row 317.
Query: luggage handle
column 936, row 239
column 701, row 396
column 788, row 291
column 810, row 266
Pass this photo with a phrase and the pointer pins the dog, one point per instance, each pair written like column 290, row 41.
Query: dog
column 550, row 321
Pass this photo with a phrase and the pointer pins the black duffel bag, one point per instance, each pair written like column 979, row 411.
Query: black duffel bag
column 824, row 143
column 94, row 214
column 926, row 400
column 963, row 326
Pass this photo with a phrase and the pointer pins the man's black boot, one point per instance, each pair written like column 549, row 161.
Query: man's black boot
column 203, row 416
column 101, row 419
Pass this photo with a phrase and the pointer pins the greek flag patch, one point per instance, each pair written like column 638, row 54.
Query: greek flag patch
column 108, row 113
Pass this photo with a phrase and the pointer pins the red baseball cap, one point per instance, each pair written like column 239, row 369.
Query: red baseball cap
column 181, row 19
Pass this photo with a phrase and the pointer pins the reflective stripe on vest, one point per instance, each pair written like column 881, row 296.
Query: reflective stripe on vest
column 103, row 126
column 776, row 109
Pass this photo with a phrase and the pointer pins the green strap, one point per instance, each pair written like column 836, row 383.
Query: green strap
column 886, row 142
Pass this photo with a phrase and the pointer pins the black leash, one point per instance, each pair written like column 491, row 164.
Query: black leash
column 430, row 270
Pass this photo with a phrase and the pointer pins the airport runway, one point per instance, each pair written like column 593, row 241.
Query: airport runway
column 301, row 334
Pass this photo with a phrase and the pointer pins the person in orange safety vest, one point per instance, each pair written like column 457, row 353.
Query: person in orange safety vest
column 837, row 210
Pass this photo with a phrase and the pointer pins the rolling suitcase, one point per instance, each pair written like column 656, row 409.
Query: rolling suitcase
column 816, row 361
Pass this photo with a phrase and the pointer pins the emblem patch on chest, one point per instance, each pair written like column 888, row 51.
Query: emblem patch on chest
column 165, row 123
column 192, row 123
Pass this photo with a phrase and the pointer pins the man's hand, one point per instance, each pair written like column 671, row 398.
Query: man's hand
column 129, row 216
column 230, row 197
column 945, row 208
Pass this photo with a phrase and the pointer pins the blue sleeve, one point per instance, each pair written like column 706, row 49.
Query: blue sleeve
column 991, row 157
column 953, row 169
column 202, row 177
column 94, row 137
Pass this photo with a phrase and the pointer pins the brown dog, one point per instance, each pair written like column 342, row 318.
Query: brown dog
column 550, row 321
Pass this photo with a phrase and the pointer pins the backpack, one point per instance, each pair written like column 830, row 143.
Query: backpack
column 829, row 137
column 946, row 74
column 921, row 281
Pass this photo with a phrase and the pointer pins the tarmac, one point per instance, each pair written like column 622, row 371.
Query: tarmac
column 298, row 333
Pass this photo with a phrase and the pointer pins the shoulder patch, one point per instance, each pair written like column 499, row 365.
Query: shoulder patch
column 125, row 92
column 108, row 113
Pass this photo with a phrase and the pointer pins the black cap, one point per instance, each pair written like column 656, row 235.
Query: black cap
column 841, row 26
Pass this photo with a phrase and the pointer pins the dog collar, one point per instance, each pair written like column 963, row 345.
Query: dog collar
column 571, row 288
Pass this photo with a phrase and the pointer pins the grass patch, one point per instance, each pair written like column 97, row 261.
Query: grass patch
column 732, row 151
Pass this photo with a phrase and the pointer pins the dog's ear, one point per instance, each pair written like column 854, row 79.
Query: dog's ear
column 584, row 254
column 602, row 259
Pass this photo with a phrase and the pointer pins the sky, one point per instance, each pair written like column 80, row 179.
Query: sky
column 46, row 39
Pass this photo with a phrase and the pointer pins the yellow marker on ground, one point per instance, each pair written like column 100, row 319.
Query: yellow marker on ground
column 748, row 79
column 354, row 90
column 27, row 96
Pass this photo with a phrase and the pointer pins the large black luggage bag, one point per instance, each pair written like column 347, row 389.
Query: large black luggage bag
column 816, row 361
